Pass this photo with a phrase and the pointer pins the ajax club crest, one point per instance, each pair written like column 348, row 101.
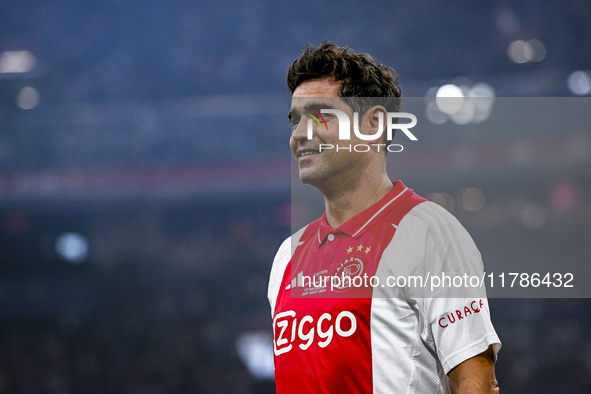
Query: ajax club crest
column 348, row 269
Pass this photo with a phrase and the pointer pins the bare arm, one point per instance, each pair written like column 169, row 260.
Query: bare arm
column 475, row 375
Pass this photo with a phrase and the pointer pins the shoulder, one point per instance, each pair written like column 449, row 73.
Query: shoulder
column 280, row 263
column 436, row 223
column 290, row 243
column 431, row 217
column 430, row 227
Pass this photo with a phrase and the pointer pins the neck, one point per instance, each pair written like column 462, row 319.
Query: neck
column 346, row 199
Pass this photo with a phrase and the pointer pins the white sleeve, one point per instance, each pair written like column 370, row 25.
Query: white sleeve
column 280, row 263
column 454, row 321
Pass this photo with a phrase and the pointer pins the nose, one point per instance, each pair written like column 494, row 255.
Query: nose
column 299, row 134
column 300, row 131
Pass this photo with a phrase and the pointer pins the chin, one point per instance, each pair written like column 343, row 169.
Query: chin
column 306, row 179
column 309, row 177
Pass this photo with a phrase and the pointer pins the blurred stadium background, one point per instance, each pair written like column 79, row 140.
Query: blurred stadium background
column 145, row 179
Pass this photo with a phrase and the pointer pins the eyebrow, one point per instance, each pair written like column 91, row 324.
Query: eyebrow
column 315, row 106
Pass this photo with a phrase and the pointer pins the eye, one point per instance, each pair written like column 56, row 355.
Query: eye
column 294, row 120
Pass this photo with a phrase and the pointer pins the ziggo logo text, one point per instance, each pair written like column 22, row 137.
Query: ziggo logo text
column 282, row 321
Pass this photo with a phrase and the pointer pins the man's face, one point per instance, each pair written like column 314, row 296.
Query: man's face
column 317, row 167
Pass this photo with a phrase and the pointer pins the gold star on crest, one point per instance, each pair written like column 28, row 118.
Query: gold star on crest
column 360, row 248
column 367, row 250
column 350, row 249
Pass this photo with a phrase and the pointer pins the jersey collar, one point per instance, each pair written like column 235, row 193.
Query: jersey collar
column 360, row 223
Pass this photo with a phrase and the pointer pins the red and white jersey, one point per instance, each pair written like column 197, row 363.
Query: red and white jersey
column 330, row 338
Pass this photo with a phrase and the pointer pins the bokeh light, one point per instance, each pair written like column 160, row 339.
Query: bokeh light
column 579, row 83
column 471, row 199
column 28, row 98
column 72, row 247
column 17, row 62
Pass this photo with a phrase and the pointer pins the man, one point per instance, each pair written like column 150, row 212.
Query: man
column 337, row 338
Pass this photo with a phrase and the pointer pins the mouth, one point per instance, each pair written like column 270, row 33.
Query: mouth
column 307, row 153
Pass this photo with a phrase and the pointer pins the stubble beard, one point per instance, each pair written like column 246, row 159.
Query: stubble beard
column 327, row 171
column 311, row 175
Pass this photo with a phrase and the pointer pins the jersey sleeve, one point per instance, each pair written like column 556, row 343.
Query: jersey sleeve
column 280, row 263
column 454, row 317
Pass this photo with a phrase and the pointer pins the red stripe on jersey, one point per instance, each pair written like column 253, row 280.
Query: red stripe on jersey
column 322, row 332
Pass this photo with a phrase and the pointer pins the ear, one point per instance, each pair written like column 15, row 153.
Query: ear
column 376, row 119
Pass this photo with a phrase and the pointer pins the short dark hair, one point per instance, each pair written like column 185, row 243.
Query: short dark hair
column 360, row 74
